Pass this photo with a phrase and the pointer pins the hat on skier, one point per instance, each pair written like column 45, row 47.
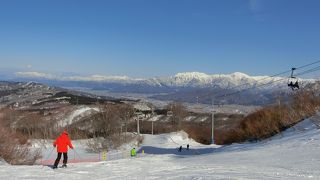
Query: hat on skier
column 65, row 132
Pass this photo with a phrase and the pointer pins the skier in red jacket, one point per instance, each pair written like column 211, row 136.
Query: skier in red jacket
column 62, row 143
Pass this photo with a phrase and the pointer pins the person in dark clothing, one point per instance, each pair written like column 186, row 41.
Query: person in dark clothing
column 187, row 146
column 62, row 143
column 180, row 149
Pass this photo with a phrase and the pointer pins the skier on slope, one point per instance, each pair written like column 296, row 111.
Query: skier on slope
column 133, row 152
column 62, row 143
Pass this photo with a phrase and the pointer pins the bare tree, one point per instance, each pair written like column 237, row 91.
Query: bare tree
column 14, row 147
column 179, row 112
column 107, row 121
column 126, row 112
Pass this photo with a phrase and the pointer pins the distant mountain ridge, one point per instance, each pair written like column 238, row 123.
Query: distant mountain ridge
column 180, row 87
column 187, row 79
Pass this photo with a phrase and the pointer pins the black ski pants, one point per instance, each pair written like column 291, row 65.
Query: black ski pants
column 65, row 159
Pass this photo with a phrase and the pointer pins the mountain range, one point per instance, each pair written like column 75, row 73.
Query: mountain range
column 188, row 86
column 187, row 79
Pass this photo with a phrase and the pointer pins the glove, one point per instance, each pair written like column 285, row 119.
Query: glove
column 54, row 145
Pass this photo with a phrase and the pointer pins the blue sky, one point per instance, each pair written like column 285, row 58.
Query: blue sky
column 158, row 37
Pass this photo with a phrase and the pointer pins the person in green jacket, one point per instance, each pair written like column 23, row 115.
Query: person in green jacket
column 133, row 152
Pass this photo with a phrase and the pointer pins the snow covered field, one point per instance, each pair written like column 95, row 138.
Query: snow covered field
column 295, row 154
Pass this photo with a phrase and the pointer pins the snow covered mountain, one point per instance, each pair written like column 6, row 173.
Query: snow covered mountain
column 180, row 87
column 187, row 79
column 202, row 80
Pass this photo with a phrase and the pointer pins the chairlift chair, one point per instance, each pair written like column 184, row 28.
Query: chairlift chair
column 293, row 81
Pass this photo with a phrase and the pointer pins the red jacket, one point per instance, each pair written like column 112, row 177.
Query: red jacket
column 62, row 143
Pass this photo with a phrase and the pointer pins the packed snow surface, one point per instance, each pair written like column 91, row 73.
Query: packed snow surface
column 294, row 154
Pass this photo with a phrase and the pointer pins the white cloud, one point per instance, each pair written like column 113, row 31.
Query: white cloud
column 97, row 78
column 29, row 66
column 33, row 74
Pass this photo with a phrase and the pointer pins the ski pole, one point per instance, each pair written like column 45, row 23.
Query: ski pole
column 74, row 155
column 75, row 152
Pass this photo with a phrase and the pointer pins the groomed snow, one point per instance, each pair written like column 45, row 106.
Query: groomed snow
column 294, row 154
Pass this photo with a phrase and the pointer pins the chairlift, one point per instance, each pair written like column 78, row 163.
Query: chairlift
column 139, row 114
column 169, row 111
column 293, row 81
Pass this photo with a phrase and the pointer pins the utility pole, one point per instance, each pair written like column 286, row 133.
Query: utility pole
column 138, row 125
column 212, row 123
column 125, row 122
column 137, row 118
column 97, row 100
column 152, row 112
column 152, row 127
column 125, row 125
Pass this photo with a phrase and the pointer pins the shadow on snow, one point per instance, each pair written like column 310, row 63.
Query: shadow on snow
column 191, row 151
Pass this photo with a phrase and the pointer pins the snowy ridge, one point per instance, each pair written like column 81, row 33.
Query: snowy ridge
column 197, row 79
column 186, row 79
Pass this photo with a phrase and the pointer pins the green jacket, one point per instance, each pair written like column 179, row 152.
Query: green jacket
column 133, row 152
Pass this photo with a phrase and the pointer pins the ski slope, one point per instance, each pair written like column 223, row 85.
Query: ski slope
column 76, row 115
column 294, row 154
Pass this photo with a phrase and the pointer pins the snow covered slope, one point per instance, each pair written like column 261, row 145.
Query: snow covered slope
column 77, row 114
column 294, row 154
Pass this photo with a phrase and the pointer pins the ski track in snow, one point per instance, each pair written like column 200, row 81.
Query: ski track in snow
column 294, row 154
